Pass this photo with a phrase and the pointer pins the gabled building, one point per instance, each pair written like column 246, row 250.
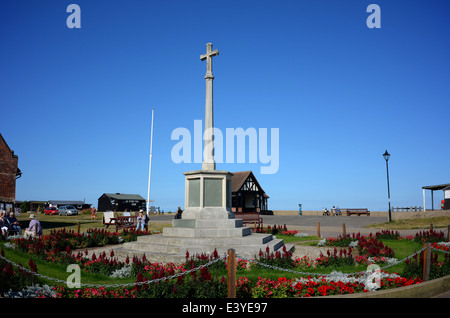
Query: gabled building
column 9, row 172
column 119, row 202
column 247, row 194
column 79, row 205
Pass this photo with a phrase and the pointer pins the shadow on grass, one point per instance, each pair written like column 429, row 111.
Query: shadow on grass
column 49, row 225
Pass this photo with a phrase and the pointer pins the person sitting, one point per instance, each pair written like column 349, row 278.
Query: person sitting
column 178, row 215
column 13, row 224
column 34, row 227
column 3, row 224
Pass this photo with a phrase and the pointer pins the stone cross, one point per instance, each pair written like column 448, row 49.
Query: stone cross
column 208, row 160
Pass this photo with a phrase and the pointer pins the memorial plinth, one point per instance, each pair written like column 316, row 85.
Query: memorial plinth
column 207, row 207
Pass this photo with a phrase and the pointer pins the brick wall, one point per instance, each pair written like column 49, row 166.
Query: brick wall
column 8, row 170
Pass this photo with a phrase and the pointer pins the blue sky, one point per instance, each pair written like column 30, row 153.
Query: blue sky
column 76, row 103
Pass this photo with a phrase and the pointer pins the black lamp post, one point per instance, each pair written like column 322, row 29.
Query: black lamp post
column 386, row 157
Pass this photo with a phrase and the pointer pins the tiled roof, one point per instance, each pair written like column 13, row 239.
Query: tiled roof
column 238, row 179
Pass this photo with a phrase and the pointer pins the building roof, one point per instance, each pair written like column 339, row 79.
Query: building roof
column 437, row 187
column 60, row 202
column 2, row 140
column 124, row 196
column 6, row 144
column 238, row 179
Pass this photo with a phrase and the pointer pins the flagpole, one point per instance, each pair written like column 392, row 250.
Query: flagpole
column 150, row 165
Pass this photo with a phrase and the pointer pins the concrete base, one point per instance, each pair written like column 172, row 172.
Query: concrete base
column 164, row 249
column 208, row 213
column 207, row 224
column 198, row 236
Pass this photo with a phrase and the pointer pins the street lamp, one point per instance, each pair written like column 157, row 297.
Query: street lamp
column 386, row 157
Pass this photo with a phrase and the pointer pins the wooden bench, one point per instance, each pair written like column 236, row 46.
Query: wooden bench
column 336, row 211
column 12, row 231
column 107, row 218
column 119, row 221
column 250, row 218
column 125, row 221
column 357, row 212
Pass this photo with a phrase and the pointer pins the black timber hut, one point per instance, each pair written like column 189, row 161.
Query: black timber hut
column 121, row 202
column 247, row 194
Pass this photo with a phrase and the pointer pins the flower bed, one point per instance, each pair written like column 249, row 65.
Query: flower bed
column 367, row 245
column 204, row 285
column 439, row 267
column 431, row 236
column 210, row 281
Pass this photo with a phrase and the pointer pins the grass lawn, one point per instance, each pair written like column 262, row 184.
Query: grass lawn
column 54, row 222
column 416, row 223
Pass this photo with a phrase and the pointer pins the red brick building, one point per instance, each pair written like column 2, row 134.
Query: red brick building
column 9, row 172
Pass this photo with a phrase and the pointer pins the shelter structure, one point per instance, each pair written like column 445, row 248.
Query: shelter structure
column 247, row 194
column 121, row 202
column 438, row 187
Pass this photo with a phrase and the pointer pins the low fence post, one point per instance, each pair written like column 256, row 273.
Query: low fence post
column 343, row 230
column 427, row 262
column 448, row 232
column 78, row 228
column 318, row 229
column 231, row 273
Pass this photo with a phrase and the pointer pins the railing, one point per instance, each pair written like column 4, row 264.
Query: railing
column 410, row 208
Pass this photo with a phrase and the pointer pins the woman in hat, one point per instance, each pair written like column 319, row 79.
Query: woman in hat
column 34, row 227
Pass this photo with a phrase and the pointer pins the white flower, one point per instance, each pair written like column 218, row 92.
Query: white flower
column 321, row 242
column 125, row 271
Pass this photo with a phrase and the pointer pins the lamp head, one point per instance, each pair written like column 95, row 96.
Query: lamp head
column 386, row 155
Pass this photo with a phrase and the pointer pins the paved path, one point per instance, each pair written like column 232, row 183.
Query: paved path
column 330, row 226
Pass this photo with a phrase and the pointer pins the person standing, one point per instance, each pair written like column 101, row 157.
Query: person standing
column 140, row 221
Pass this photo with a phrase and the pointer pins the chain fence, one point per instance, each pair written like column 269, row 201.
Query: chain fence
column 360, row 274
column 115, row 285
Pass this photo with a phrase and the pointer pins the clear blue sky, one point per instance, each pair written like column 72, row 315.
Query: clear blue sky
column 76, row 103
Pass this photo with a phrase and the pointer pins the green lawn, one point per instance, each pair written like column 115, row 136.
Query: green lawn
column 53, row 222
column 402, row 249
column 414, row 223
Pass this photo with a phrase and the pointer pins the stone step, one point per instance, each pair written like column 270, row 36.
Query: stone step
column 214, row 223
column 194, row 249
column 159, row 248
column 206, row 232
column 173, row 240
column 164, row 257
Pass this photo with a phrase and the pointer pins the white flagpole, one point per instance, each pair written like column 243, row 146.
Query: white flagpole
column 150, row 165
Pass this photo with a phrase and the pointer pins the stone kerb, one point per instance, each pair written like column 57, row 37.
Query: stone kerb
column 423, row 290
